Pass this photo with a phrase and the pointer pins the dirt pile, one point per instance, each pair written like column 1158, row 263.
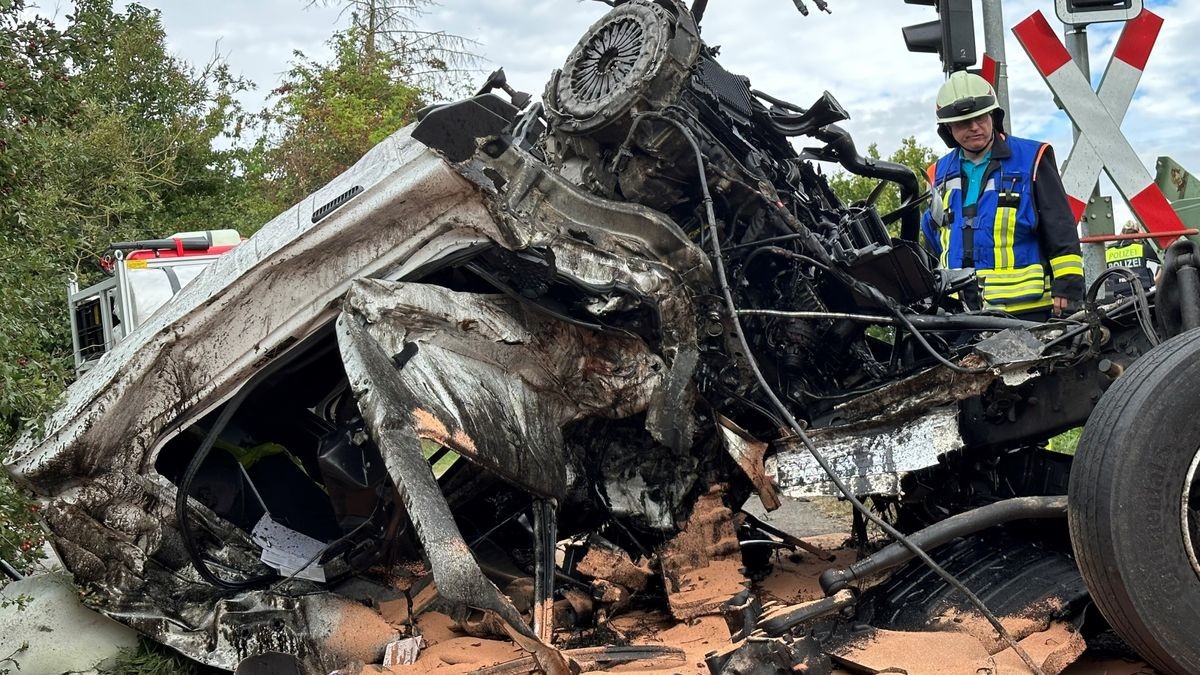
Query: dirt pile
column 956, row 642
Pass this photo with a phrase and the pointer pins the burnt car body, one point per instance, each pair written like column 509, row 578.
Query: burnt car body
column 522, row 325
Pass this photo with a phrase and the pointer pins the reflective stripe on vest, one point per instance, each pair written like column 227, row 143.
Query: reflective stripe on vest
column 1132, row 257
column 1065, row 265
column 1126, row 252
column 1011, row 270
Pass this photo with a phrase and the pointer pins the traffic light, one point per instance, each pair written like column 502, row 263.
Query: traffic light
column 1080, row 12
column 951, row 35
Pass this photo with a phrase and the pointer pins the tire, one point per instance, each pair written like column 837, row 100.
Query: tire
column 1126, row 505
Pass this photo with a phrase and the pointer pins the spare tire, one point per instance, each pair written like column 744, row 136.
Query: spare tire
column 1134, row 505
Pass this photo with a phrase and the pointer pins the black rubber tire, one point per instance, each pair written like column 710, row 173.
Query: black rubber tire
column 1125, row 499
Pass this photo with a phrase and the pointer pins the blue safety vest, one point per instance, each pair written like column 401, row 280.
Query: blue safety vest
column 1003, row 230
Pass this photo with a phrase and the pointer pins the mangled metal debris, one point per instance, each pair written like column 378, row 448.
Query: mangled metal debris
column 872, row 459
column 702, row 565
column 517, row 370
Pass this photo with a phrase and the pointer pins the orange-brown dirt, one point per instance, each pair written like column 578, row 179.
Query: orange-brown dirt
column 961, row 644
column 703, row 563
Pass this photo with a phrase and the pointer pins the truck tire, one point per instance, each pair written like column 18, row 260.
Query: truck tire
column 1134, row 505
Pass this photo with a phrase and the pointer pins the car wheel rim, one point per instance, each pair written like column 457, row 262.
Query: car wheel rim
column 1190, row 513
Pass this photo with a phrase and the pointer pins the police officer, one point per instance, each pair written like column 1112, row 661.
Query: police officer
column 1135, row 255
column 1003, row 208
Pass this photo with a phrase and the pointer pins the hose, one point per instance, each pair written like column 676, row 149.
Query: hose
column 1141, row 301
column 894, row 555
column 838, row 140
column 799, row 430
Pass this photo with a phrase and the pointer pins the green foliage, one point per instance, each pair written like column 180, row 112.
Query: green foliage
column 153, row 659
column 104, row 136
column 857, row 189
column 21, row 535
column 1066, row 442
column 327, row 116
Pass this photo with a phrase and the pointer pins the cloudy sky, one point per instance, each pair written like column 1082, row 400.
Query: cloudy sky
column 856, row 53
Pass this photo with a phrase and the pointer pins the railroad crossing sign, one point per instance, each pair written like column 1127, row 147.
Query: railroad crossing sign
column 1098, row 116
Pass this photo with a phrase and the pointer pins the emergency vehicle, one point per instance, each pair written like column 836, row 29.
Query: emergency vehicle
column 144, row 275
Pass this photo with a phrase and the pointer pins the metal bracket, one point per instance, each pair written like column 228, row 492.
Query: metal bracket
column 1082, row 18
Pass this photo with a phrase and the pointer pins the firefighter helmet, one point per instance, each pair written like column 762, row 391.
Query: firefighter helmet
column 964, row 96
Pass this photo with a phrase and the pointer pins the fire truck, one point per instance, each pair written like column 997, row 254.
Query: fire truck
column 143, row 276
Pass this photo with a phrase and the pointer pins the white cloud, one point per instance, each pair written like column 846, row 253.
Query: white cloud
column 856, row 53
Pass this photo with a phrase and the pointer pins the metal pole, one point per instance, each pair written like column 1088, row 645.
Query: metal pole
column 1077, row 46
column 993, row 44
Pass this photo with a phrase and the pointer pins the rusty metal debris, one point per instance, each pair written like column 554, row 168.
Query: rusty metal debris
column 606, row 561
column 597, row 658
column 702, row 565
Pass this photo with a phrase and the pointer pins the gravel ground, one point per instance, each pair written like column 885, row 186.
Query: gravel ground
column 805, row 518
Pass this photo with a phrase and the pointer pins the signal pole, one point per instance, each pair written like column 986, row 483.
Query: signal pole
column 951, row 36
column 993, row 45
column 1076, row 15
column 1075, row 39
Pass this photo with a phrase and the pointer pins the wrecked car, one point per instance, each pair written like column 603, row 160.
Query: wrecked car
column 564, row 341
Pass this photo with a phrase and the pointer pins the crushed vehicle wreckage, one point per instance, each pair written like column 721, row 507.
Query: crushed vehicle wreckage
column 565, row 342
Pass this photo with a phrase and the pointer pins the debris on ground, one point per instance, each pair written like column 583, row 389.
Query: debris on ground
column 958, row 642
column 702, row 565
column 503, row 386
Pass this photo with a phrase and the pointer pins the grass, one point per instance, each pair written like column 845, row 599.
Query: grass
column 151, row 658
column 1066, row 442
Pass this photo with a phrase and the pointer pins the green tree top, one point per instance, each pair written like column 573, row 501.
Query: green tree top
column 327, row 115
column 103, row 136
column 856, row 189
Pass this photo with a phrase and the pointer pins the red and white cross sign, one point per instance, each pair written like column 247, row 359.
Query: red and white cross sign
column 1098, row 116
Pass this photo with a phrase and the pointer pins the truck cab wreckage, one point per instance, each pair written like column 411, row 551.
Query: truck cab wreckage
column 566, row 341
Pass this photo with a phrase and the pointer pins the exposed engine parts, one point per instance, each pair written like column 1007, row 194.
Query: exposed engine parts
column 528, row 362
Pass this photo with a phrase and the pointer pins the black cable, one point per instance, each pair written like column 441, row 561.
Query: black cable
column 1141, row 301
column 775, row 421
column 777, row 250
column 777, row 101
column 904, row 321
column 846, row 394
column 799, row 431
column 768, row 240
column 193, row 468
column 1113, row 312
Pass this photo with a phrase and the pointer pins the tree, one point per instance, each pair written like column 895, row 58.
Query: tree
column 328, row 115
column 432, row 60
column 851, row 188
column 103, row 136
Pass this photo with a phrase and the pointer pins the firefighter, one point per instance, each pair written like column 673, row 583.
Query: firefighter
column 1137, row 256
column 1003, row 209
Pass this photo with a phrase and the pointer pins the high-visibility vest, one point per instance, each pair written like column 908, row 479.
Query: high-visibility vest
column 1002, row 236
column 1132, row 256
